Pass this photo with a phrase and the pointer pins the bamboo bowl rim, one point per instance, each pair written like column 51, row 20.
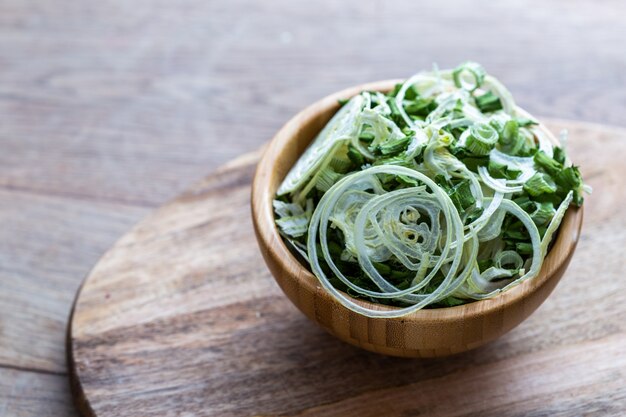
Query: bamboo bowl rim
column 270, row 173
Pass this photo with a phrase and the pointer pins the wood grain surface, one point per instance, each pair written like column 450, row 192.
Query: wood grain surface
column 108, row 108
column 181, row 317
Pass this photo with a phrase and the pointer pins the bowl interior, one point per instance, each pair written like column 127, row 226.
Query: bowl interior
column 291, row 141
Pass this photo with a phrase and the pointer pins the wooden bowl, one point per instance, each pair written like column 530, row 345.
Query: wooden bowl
column 425, row 333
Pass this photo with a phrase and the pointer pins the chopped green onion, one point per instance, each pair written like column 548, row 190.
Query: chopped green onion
column 524, row 248
column 498, row 170
column 420, row 107
column 393, row 147
column 325, row 179
column 546, row 163
column 540, row 184
column 367, row 137
column 482, row 138
column 510, row 140
column 469, row 76
column 543, row 213
column 355, row 156
column 569, row 177
column 524, row 122
column 488, row 102
column 559, row 155
column 432, row 195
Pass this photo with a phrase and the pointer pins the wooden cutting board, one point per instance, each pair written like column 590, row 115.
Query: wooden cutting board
column 181, row 318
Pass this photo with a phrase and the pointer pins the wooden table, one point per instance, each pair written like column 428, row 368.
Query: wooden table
column 109, row 108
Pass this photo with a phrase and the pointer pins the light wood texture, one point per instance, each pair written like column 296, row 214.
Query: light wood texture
column 424, row 333
column 181, row 317
column 109, row 107
column 127, row 101
column 41, row 269
column 26, row 393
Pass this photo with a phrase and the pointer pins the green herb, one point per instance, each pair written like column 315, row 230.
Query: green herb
column 355, row 156
column 524, row 122
column 481, row 139
column 498, row 170
column 559, row 155
column 540, row 184
column 547, row 164
column 469, row 76
column 488, row 102
column 393, row 147
column 543, row 213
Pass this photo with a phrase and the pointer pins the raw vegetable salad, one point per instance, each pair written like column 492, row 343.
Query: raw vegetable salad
column 435, row 194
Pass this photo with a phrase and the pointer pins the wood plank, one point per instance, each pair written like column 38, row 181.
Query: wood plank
column 126, row 101
column 581, row 379
column 47, row 245
column 170, row 322
column 25, row 394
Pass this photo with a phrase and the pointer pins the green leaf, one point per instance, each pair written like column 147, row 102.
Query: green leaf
column 335, row 248
column 471, row 161
column 401, row 274
column 547, row 164
column 524, row 122
column 485, row 264
column 559, row 155
column 526, row 203
column 482, row 139
column 460, row 194
column 420, row 107
column 403, row 179
column 355, row 156
column 366, row 137
column 411, row 93
column 396, row 89
column 472, row 214
column 515, row 235
column 488, row 102
column 498, row 170
column 382, row 268
column 540, row 184
column 393, row 147
column 569, row 178
column 510, row 132
column 524, row 248
column 395, row 116
column 497, row 124
column 578, row 199
column 554, row 199
column 543, row 213
column 400, row 160
column 510, row 140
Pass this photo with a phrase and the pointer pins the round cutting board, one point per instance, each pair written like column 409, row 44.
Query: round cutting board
column 182, row 318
